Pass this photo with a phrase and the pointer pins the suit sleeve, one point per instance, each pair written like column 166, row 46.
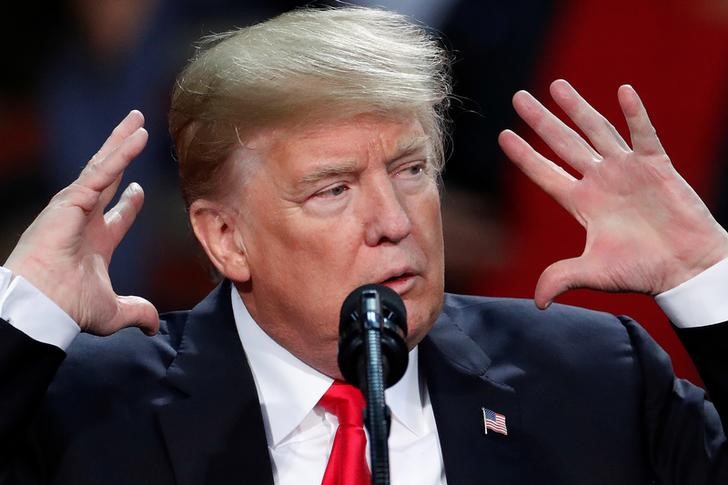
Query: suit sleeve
column 708, row 347
column 686, row 441
column 27, row 368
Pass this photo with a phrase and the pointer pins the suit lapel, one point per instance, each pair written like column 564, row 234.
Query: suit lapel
column 213, row 429
column 456, row 371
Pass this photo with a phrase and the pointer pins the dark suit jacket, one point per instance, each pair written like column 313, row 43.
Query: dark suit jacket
column 588, row 398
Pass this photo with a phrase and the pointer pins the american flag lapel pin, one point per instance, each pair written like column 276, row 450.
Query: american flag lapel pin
column 494, row 421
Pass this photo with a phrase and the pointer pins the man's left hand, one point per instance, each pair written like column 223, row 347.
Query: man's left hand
column 647, row 230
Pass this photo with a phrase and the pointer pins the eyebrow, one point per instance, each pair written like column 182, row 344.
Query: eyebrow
column 411, row 145
column 404, row 148
column 329, row 171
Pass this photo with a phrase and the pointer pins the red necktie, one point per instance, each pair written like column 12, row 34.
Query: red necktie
column 347, row 463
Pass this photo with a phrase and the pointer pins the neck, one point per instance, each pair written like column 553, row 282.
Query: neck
column 318, row 350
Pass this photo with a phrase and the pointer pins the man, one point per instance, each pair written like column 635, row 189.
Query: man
column 309, row 150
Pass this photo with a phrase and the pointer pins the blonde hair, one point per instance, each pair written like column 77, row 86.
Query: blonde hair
column 309, row 62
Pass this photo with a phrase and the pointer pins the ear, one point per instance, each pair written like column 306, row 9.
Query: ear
column 218, row 233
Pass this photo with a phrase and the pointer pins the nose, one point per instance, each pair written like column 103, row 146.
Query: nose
column 386, row 218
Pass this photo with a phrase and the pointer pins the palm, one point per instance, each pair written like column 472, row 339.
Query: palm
column 647, row 230
column 67, row 250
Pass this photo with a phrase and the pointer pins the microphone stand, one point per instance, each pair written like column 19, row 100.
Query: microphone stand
column 373, row 355
column 377, row 418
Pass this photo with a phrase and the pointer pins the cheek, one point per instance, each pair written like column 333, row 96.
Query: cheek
column 424, row 306
column 427, row 225
column 313, row 254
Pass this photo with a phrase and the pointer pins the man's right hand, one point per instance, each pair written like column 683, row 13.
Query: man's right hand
column 66, row 251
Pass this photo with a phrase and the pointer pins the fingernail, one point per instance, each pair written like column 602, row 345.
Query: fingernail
column 134, row 113
column 132, row 189
column 562, row 81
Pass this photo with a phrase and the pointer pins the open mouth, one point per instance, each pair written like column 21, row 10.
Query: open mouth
column 400, row 283
column 399, row 278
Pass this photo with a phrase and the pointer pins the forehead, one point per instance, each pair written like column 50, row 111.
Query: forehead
column 369, row 133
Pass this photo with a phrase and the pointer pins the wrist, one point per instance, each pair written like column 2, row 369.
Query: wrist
column 687, row 269
column 51, row 282
column 29, row 310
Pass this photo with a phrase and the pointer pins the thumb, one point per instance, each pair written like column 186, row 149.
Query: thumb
column 134, row 311
column 559, row 277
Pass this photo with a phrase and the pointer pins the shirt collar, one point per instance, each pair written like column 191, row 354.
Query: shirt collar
column 288, row 389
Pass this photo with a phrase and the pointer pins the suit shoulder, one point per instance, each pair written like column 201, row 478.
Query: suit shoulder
column 123, row 357
column 514, row 326
column 132, row 340
column 521, row 310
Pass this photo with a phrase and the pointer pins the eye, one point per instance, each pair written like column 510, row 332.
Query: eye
column 413, row 170
column 332, row 192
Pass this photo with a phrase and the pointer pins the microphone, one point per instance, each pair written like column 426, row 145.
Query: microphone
column 373, row 356
column 372, row 307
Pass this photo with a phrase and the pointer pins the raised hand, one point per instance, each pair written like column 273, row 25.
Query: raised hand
column 66, row 251
column 647, row 230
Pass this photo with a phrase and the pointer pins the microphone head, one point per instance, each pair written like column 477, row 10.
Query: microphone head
column 393, row 332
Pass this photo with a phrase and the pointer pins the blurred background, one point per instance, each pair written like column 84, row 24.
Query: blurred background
column 73, row 70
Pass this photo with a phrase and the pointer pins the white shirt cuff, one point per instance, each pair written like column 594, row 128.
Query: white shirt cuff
column 702, row 300
column 33, row 313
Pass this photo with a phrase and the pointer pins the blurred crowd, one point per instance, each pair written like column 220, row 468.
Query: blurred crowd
column 72, row 71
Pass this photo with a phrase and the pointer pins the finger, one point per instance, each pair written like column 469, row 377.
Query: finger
column 75, row 195
column 602, row 135
column 132, row 122
column 553, row 179
column 643, row 135
column 100, row 173
column 108, row 193
column 120, row 217
column 564, row 141
column 559, row 277
column 134, row 311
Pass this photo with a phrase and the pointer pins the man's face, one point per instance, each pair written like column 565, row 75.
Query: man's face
column 330, row 207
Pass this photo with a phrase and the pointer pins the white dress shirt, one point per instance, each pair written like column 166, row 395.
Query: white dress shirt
column 299, row 432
